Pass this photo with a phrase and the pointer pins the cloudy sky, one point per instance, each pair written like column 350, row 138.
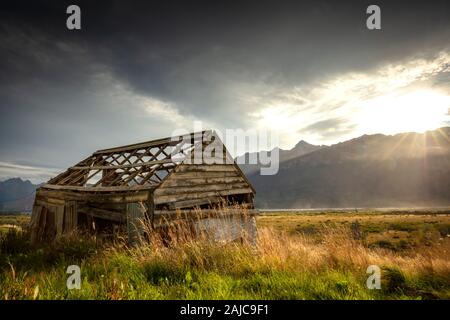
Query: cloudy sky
column 140, row 70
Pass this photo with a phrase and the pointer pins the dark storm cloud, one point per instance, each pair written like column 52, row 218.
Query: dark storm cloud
column 66, row 93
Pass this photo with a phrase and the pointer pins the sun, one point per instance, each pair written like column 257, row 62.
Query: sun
column 416, row 111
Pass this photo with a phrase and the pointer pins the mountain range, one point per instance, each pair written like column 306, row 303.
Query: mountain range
column 16, row 195
column 300, row 149
column 402, row 170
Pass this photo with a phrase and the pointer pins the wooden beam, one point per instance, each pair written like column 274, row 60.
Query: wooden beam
column 198, row 181
column 59, row 220
column 34, row 223
column 122, row 197
column 64, row 174
column 70, row 216
column 205, row 212
column 50, row 201
column 133, row 165
column 98, row 189
column 195, row 202
column 206, row 174
column 103, row 213
column 111, row 171
column 153, row 143
column 199, row 188
column 196, row 195
column 205, row 167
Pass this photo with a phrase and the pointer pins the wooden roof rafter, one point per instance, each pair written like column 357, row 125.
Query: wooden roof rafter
column 138, row 165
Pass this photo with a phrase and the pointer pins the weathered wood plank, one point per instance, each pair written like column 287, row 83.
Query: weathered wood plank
column 34, row 223
column 205, row 167
column 122, row 166
column 198, row 181
column 48, row 201
column 103, row 214
column 98, row 189
column 207, row 212
column 42, row 224
column 154, row 143
column 196, row 195
column 199, row 188
column 135, row 227
column 70, row 216
column 194, row 202
column 151, row 207
column 50, row 226
column 136, row 196
column 119, row 207
column 205, row 174
column 59, row 220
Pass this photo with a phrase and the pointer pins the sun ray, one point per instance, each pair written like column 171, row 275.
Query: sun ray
column 395, row 146
column 444, row 135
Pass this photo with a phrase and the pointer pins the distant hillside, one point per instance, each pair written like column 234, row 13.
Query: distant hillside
column 409, row 169
column 16, row 195
column 300, row 149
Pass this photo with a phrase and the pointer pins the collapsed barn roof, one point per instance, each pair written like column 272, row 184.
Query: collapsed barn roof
column 139, row 166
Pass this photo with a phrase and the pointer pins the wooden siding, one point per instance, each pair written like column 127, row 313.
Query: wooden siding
column 135, row 218
column 190, row 185
column 70, row 216
column 43, row 194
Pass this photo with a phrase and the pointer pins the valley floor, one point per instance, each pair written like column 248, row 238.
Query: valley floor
column 315, row 255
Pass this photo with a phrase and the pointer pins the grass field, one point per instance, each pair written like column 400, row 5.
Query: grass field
column 299, row 256
column 399, row 232
column 13, row 221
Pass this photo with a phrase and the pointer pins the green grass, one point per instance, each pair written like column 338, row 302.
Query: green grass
column 299, row 259
column 406, row 230
column 120, row 275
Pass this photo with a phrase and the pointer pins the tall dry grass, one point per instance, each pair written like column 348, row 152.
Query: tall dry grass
column 281, row 252
column 277, row 250
column 180, row 263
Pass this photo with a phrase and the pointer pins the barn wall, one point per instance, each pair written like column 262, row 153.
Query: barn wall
column 192, row 185
column 58, row 212
column 47, row 220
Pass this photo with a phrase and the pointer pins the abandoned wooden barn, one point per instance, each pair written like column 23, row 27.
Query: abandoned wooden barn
column 158, row 181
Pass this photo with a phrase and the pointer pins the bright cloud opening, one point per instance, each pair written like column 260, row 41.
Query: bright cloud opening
column 393, row 99
column 414, row 111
